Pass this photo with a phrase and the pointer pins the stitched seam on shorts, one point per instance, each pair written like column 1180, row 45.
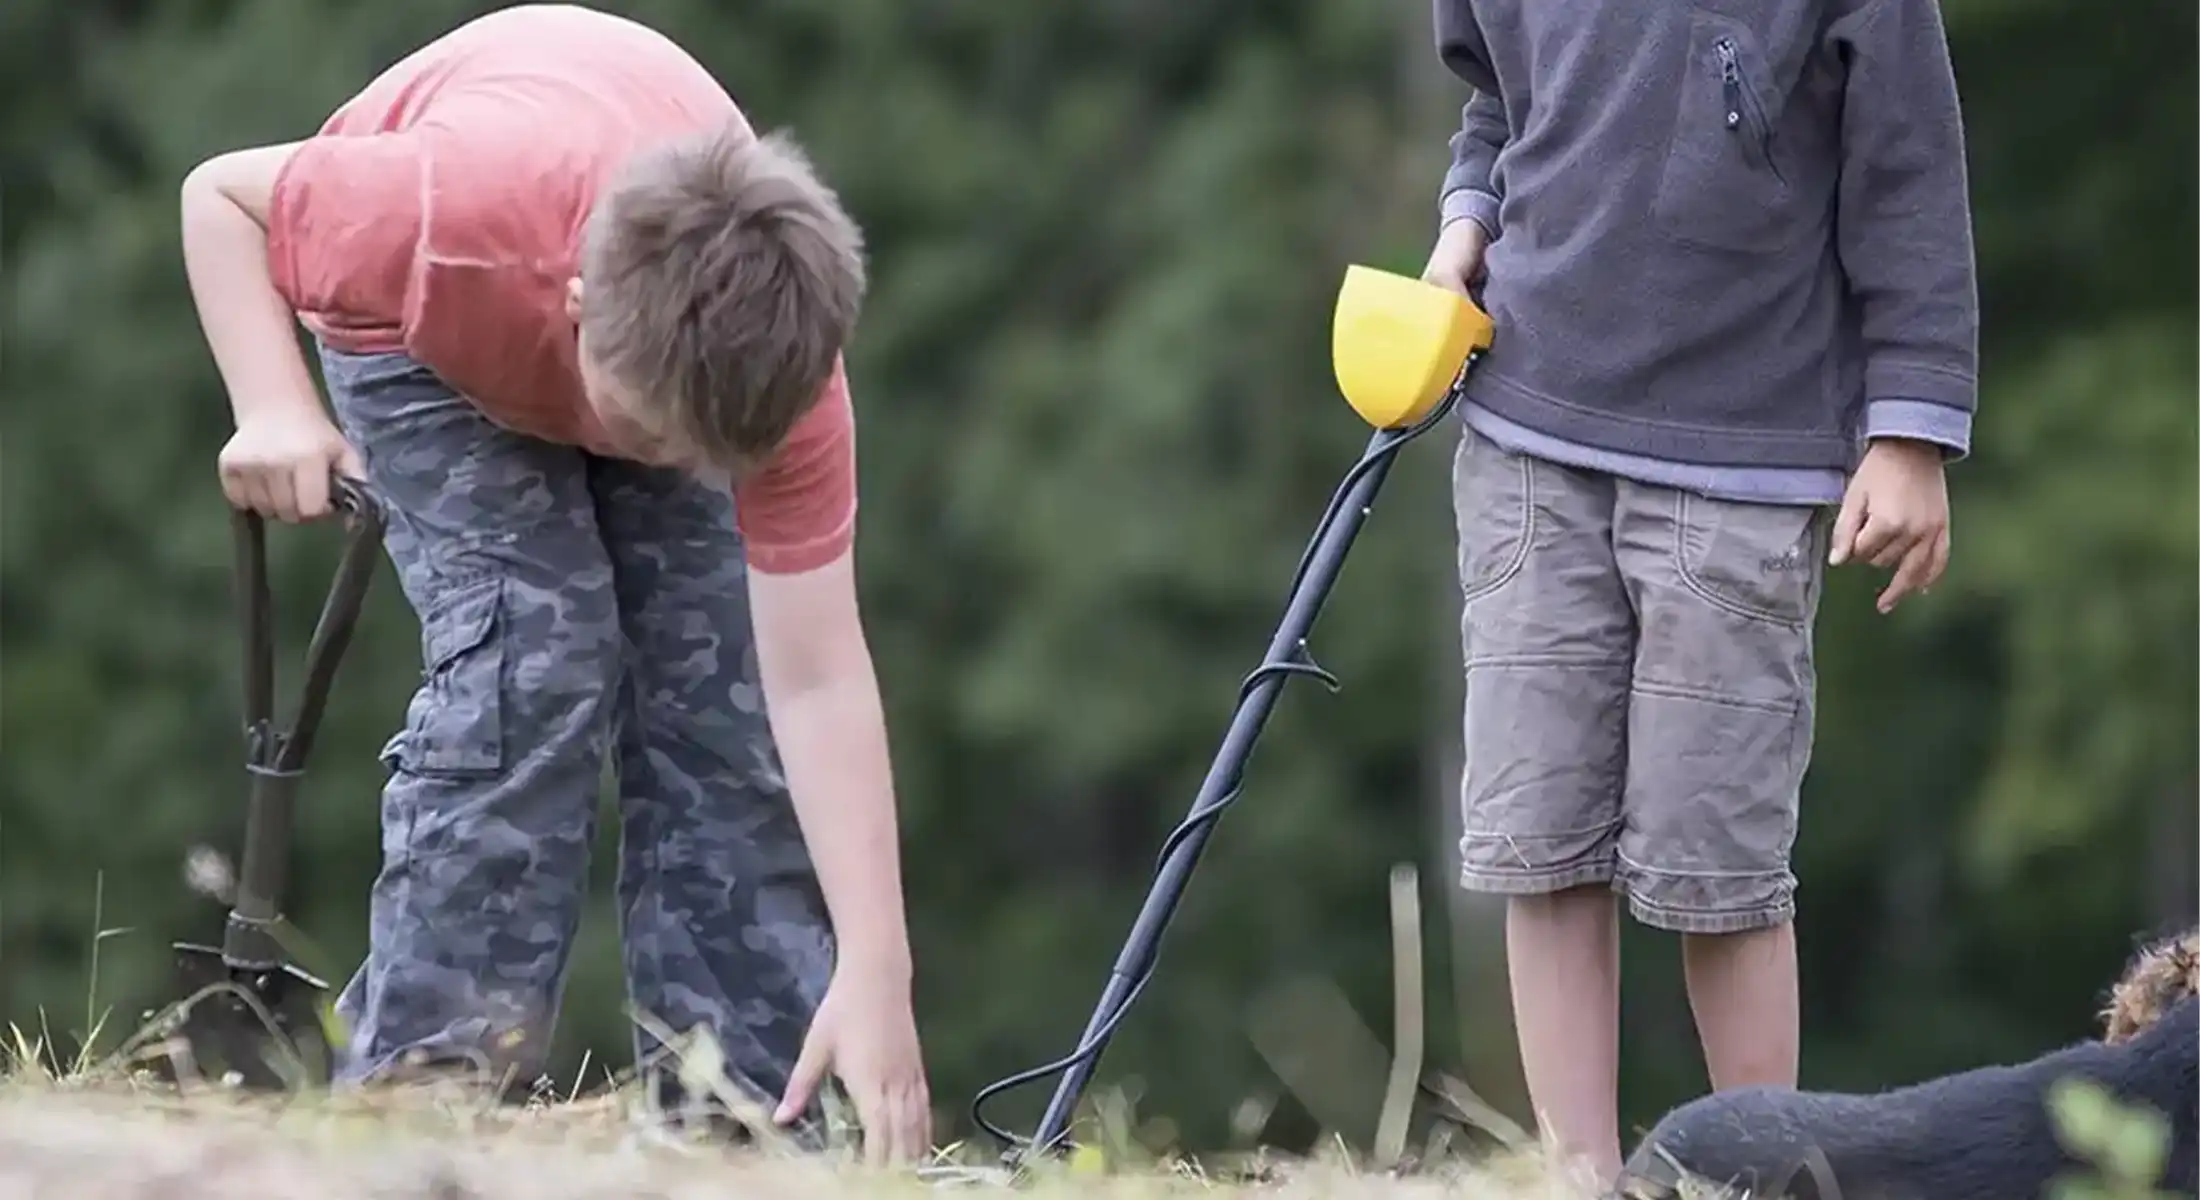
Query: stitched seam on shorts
column 1598, row 829
column 1704, row 591
column 1714, row 921
column 1511, row 570
column 1532, row 659
column 1769, row 906
column 1596, row 869
column 1777, row 874
column 1782, row 902
column 1671, row 691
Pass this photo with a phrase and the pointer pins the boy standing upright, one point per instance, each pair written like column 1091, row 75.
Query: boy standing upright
column 1728, row 250
column 556, row 282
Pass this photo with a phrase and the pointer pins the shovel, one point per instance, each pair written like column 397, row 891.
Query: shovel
column 251, row 1018
column 1401, row 349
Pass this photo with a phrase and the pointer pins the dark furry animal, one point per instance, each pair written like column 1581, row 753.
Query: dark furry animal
column 1984, row 1134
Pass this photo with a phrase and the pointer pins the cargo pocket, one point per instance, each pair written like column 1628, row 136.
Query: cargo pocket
column 1762, row 561
column 1722, row 186
column 457, row 720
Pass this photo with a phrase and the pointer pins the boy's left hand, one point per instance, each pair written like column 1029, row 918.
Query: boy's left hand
column 865, row 1034
column 1896, row 515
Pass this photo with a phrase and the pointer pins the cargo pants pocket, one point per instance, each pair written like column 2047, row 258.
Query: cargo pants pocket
column 456, row 723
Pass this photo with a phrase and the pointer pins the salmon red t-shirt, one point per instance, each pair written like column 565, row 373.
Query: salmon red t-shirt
column 439, row 213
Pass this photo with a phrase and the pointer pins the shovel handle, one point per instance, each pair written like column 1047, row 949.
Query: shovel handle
column 275, row 756
column 268, row 746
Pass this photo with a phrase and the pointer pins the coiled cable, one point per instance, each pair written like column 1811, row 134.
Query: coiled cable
column 1295, row 661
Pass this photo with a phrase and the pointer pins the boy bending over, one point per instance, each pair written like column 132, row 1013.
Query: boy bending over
column 1728, row 250
column 557, row 284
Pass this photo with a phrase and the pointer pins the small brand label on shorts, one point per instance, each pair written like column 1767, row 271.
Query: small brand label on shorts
column 1790, row 559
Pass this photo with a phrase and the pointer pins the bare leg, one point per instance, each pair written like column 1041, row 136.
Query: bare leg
column 1744, row 992
column 1562, row 950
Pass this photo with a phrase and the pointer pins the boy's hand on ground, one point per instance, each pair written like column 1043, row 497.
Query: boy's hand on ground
column 865, row 1033
column 279, row 465
column 1896, row 515
column 1456, row 262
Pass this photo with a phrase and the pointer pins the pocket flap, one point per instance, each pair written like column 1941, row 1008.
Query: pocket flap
column 461, row 621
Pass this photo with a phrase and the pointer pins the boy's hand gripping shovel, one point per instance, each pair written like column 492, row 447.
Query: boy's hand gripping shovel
column 1400, row 348
column 250, row 1016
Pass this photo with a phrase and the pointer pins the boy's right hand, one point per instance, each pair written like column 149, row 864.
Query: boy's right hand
column 1456, row 262
column 278, row 465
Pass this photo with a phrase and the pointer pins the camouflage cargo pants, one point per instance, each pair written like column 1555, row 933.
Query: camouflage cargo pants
column 571, row 607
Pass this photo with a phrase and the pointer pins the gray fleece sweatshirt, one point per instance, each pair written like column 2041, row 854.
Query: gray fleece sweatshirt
column 1722, row 227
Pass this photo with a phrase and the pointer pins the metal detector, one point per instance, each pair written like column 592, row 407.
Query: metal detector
column 1400, row 349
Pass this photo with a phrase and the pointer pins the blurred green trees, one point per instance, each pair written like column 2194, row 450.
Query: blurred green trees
column 1097, row 425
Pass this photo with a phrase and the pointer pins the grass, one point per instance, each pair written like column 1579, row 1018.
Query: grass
column 98, row 1144
column 92, row 1131
column 83, row 1125
column 98, row 1127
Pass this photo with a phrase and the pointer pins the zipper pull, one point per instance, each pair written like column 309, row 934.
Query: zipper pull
column 1730, row 74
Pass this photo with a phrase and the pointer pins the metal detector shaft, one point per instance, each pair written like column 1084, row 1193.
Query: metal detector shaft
column 1287, row 656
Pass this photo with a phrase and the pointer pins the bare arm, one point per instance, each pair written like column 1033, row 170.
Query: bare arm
column 249, row 329
column 823, row 700
column 822, row 696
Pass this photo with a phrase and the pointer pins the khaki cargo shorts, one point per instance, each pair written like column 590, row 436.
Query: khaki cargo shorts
column 1639, row 689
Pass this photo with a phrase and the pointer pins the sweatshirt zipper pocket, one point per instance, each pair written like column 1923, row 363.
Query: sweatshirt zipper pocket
column 1742, row 115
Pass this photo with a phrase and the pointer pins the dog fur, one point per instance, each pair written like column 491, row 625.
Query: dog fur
column 2162, row 975
column 1984, row 1134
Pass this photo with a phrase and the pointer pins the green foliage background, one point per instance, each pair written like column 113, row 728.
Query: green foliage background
column 1097, row 424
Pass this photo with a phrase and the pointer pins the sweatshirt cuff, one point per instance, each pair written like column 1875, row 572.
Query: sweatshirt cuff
column 1470, row 204
column 1910, row 380
column 1911, row 419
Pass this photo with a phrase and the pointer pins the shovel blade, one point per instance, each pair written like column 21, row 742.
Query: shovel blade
column 254, row 1029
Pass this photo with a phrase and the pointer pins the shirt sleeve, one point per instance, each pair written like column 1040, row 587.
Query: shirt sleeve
column 343, row 232
column 1469, row 193
column 799, row 512
column 1903, row 207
